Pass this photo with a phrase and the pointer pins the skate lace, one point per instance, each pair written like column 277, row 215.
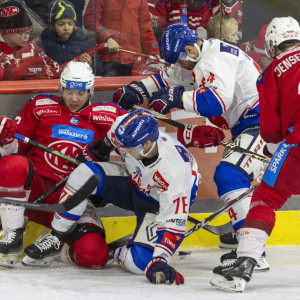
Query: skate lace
column 8, row 236
column 49, row 241
column 229, row 263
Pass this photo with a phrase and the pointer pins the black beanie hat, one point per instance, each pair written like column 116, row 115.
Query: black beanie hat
column 13, row 18
column 62, row 10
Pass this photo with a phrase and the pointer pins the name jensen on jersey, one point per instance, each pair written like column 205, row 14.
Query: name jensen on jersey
column 286, row 64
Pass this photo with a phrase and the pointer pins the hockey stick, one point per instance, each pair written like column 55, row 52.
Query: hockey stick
column 47, row 149
column 233, row 147
column 218, row 230
column 67, row 205
column 220, row 211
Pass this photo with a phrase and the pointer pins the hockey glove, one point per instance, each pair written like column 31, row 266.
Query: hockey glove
column 134, row 93
column 92, row 152
column 8, row 128
column 158, row 271
column 166, row 98
column 200, row 136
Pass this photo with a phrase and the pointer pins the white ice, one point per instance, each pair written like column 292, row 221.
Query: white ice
column 112, row 282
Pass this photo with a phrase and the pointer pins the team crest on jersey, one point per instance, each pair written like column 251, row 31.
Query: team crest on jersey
column 105, row 108
column 67, row 147
column 138, row 170
column 71, row 133
column 74, row 121
column 45, row 101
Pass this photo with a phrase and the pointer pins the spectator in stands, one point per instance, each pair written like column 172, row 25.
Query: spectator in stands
column 232, row 8
column 62, row 40
column 125, row 25
column 41, row 8
column 256, row 48
column 194, row 13
column 224, row 28
column 20, row 57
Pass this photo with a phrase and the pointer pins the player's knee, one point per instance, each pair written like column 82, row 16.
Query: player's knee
column 134, row 259
column 16, row 170
column 90, row 251
column 229, row 178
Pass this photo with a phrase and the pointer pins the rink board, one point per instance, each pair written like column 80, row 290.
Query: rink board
column 286, row 231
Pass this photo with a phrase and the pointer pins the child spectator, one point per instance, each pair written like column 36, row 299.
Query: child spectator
column 224, row 28
column 20, row 57
column 62, row 40
column 256, row 48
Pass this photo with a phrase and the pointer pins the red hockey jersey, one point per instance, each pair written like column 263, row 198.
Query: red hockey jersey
column 28, row 62
column 45, row 120
column 279, row 94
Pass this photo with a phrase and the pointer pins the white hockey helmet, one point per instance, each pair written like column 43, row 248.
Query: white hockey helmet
column 281, row 30
column 77, row 76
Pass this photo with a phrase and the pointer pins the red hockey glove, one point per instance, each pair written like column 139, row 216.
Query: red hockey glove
column 200, row 136
column 8, row 128
column 166, row 98
column 133, row 93
column 158, row 271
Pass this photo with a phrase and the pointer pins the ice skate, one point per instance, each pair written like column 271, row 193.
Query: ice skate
column 231, row 257
column 113, row 246
column 11, row 246
column 233, row 277
column 44, row 250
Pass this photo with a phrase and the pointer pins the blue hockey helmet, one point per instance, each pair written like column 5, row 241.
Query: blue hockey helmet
column 136, row 129
column 174, row 39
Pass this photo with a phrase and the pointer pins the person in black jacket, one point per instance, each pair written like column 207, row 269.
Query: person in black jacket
column 63, row 40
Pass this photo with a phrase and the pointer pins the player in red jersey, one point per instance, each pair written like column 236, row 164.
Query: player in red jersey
column 68, row 123
column 279, row 94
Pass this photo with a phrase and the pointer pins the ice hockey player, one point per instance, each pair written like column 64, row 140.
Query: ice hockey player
column 151, row 185
column 67, row 123
column 278, row 88
column 219, row 84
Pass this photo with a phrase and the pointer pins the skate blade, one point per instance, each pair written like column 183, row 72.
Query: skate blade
column 40, row 263
column 10, row 261
column 235, row 285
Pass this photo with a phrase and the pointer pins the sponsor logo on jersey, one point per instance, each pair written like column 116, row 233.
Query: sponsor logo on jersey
column 138, row 170
column 9, row 11
column 168, row 240
column 229, row 49
column 35, row 70
column 183, row 153
column 67, row 147
column 178, row 222
column 102, row 118
column 46, row 111
column 75, row 85
column 157, row 177
column 71, row 133
column 105, row 107
column 45, row 101
column 74, row 121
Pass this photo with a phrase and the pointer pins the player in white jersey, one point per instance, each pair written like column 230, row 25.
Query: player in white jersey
column 220, row 84
column 158, row 181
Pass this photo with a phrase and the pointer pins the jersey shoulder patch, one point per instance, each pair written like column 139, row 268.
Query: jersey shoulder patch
column 229, row 49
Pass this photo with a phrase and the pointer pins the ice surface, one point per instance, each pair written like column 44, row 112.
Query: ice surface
column 61, row 281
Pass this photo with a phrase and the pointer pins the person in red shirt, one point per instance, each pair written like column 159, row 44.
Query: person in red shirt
column 67, row 123
column 278, row 88
column 20, row 57
column 125, row 25
column 256, row 48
